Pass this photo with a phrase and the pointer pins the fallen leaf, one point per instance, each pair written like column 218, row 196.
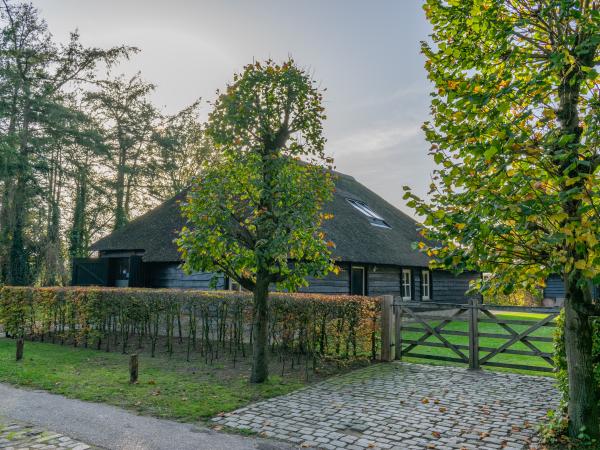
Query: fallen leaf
column 483, row 435
column 436, row 434
column 425, row 400
column 442, row 409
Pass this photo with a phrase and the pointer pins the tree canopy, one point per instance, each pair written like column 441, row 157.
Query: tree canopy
column 515, row 132
column 80, row 151
column 255, row 211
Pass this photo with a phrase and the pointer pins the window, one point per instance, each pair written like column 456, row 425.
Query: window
column 122, row 269
column 406, row 284
column 233, row 285
column 357, row 282
column 374, row 218
column 425, row 285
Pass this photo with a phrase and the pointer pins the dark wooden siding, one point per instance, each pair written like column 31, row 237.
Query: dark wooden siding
column 450, row 288
column 330, row 284
column 555, row 287
column 383, row 281
column 170, row 275
column 89, row 272
column 416, row 282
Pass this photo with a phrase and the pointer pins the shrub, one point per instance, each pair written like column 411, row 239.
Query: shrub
column 556, row 429
column 209, row 322
column 517, row 298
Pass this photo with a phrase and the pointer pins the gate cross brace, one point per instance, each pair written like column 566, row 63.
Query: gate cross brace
column 525, row 341
column 431, row 331
column 517, row 337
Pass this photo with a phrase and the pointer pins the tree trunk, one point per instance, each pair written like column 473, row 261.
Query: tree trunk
column 260, row 365
column 77, row 243
column 120, row 215
column 5, row 229
column 18, row 272
column 583, row 395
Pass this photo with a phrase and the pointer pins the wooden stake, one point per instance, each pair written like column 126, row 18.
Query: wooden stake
column 20, row 344
column 133, row 369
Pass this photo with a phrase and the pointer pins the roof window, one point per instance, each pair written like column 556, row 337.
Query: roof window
column 374, row 218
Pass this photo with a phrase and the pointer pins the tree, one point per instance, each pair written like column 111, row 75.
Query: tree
column 123, row 108
column 35, row 74
column 254, row 212
column 179, row 146
column 89, row 204
column 515, row 131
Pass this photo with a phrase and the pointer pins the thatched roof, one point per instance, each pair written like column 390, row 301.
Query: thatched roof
column 356, row 239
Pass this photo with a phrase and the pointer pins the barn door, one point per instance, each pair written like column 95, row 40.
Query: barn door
column 90, row 272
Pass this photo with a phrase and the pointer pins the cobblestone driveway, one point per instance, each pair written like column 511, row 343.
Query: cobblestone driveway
column 18, row 435
column 406, row 406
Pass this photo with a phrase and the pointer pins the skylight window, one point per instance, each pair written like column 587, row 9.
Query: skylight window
column 374, row 218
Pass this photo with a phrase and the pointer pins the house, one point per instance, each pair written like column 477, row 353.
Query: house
column 554, row 291
column 373, row 249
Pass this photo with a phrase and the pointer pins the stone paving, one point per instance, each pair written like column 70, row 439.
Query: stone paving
column 406, row 406
column 21, row 436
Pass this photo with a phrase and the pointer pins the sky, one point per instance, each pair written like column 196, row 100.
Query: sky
column 365, row 53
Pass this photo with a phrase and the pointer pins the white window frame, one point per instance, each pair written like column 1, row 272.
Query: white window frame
column 425, row 286
column 375, row 219
column 406, row 284
column 233, row 285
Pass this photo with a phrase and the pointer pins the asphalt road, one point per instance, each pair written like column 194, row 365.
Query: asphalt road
column 116, row 429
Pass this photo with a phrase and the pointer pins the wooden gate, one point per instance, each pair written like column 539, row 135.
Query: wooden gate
column 472, row 334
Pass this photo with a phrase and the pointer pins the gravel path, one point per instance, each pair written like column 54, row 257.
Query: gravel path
column 112, row 428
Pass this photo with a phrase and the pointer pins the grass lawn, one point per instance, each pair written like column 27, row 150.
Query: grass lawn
column 489, row 342
column 168, row 387
column 173, row 388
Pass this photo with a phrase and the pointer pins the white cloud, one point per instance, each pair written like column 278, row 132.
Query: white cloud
column 374, row 139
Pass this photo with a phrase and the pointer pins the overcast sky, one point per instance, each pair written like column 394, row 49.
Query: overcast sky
column 365, row 53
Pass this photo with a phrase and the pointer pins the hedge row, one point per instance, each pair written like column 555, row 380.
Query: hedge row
column 560, row 358
column 212, row 323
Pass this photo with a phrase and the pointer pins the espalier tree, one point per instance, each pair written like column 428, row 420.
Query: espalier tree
column 255, row 210
column 515, row 132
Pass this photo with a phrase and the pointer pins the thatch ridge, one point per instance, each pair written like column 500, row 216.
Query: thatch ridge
column 355, row 238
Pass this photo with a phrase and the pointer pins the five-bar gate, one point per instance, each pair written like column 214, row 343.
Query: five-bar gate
column 473, row 334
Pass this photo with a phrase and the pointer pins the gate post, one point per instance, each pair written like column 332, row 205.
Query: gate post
column 387, row 328
column 397, row 331
column 474, row 334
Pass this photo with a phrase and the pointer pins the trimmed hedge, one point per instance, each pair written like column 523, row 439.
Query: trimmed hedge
column 211, row 323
